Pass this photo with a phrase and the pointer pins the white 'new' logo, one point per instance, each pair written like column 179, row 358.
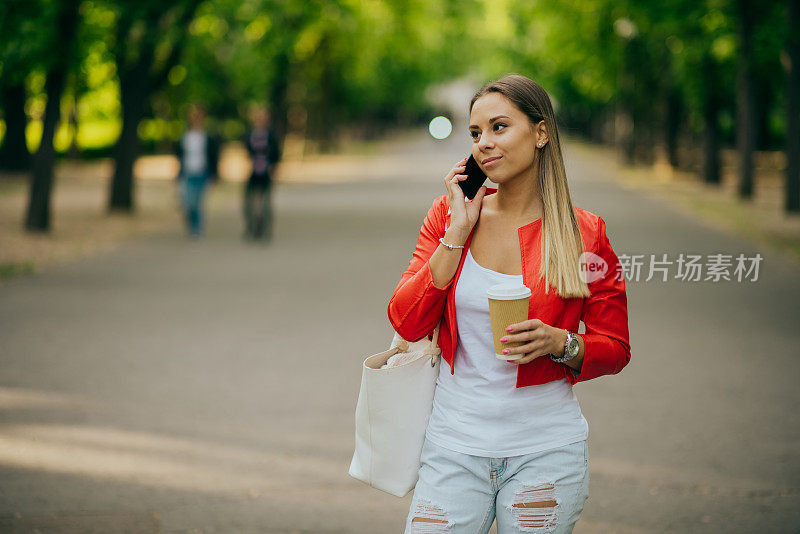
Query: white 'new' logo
column 591, row 267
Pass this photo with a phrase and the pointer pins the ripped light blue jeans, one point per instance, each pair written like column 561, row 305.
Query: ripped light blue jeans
column 462, row 494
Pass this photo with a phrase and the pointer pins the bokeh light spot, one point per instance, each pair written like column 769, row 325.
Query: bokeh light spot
column 440, row 127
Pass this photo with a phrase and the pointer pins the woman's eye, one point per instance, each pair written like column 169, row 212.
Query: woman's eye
column 475, row 134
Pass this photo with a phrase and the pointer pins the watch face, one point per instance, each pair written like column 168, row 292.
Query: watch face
column 574, row 347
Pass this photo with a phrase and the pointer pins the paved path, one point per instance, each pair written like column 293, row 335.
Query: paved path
column 209, row 386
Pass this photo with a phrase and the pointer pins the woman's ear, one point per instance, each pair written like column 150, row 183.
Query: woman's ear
column 542, row 131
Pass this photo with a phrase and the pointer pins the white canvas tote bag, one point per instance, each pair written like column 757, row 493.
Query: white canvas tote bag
column 394, row 405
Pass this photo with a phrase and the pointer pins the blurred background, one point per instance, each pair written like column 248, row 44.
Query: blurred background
column 150, row 382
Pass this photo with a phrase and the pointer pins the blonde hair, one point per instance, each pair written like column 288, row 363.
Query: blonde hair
column 562, row 243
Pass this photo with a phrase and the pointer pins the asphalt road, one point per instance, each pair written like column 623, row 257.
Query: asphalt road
column 209, row 386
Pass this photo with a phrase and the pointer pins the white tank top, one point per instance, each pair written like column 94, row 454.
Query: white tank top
column 478, row 410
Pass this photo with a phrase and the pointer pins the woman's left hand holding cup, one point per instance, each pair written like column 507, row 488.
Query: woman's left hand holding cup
column 540, row 340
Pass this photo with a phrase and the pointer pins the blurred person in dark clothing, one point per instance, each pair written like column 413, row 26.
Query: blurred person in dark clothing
column 264, row 153
column 198, row 152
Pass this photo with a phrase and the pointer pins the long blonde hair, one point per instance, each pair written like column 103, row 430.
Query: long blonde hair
column 562, row 243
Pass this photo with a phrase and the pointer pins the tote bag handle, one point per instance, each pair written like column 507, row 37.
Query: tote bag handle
column 432, row 349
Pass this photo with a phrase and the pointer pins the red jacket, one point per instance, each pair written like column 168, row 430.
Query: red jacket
column 416, row 306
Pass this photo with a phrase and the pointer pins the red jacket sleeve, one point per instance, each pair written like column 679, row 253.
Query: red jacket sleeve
column 417, row 306
column 605, row 313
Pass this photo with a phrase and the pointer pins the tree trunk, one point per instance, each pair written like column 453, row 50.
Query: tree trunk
column 672, row 125
column 623, row 123
column 14, row 153
column 326, row 116
column 38, row 214
column 74, row 151
column 644, row 136
column 278, row 97
column 746, row 103
column 793, row 111
column 642, row 94
column 711, row 105
column 133, row 92
column 137, row 83
column 37, row 218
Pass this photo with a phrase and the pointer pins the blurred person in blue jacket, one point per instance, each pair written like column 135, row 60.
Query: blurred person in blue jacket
column 198, row 152
column 264, row 154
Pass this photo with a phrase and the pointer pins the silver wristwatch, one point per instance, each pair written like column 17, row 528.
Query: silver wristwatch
column 571, row 349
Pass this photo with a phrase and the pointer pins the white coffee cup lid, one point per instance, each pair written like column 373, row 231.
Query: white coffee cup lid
column 508, row 292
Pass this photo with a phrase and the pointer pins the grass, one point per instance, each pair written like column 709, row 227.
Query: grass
column 10, row 270
column 761, row 220
column 80, row 224
column 750, row 222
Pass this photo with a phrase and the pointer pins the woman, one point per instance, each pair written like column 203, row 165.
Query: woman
column 198, row 153
column 507, row 439
column 264, row 153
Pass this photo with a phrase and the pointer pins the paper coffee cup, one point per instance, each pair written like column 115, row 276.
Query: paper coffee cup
column 508, row 304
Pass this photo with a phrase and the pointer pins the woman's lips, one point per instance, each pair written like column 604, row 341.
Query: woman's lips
column 492, row 161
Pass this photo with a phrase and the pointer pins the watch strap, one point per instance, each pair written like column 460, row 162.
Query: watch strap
column 566, row 356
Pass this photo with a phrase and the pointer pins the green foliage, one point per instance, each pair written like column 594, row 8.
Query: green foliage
column 371, row 61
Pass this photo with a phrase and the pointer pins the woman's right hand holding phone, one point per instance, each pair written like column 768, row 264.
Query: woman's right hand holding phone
column 463, row 213
column 463, row 216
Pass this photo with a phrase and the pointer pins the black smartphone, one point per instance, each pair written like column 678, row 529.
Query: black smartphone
column 474, row 180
